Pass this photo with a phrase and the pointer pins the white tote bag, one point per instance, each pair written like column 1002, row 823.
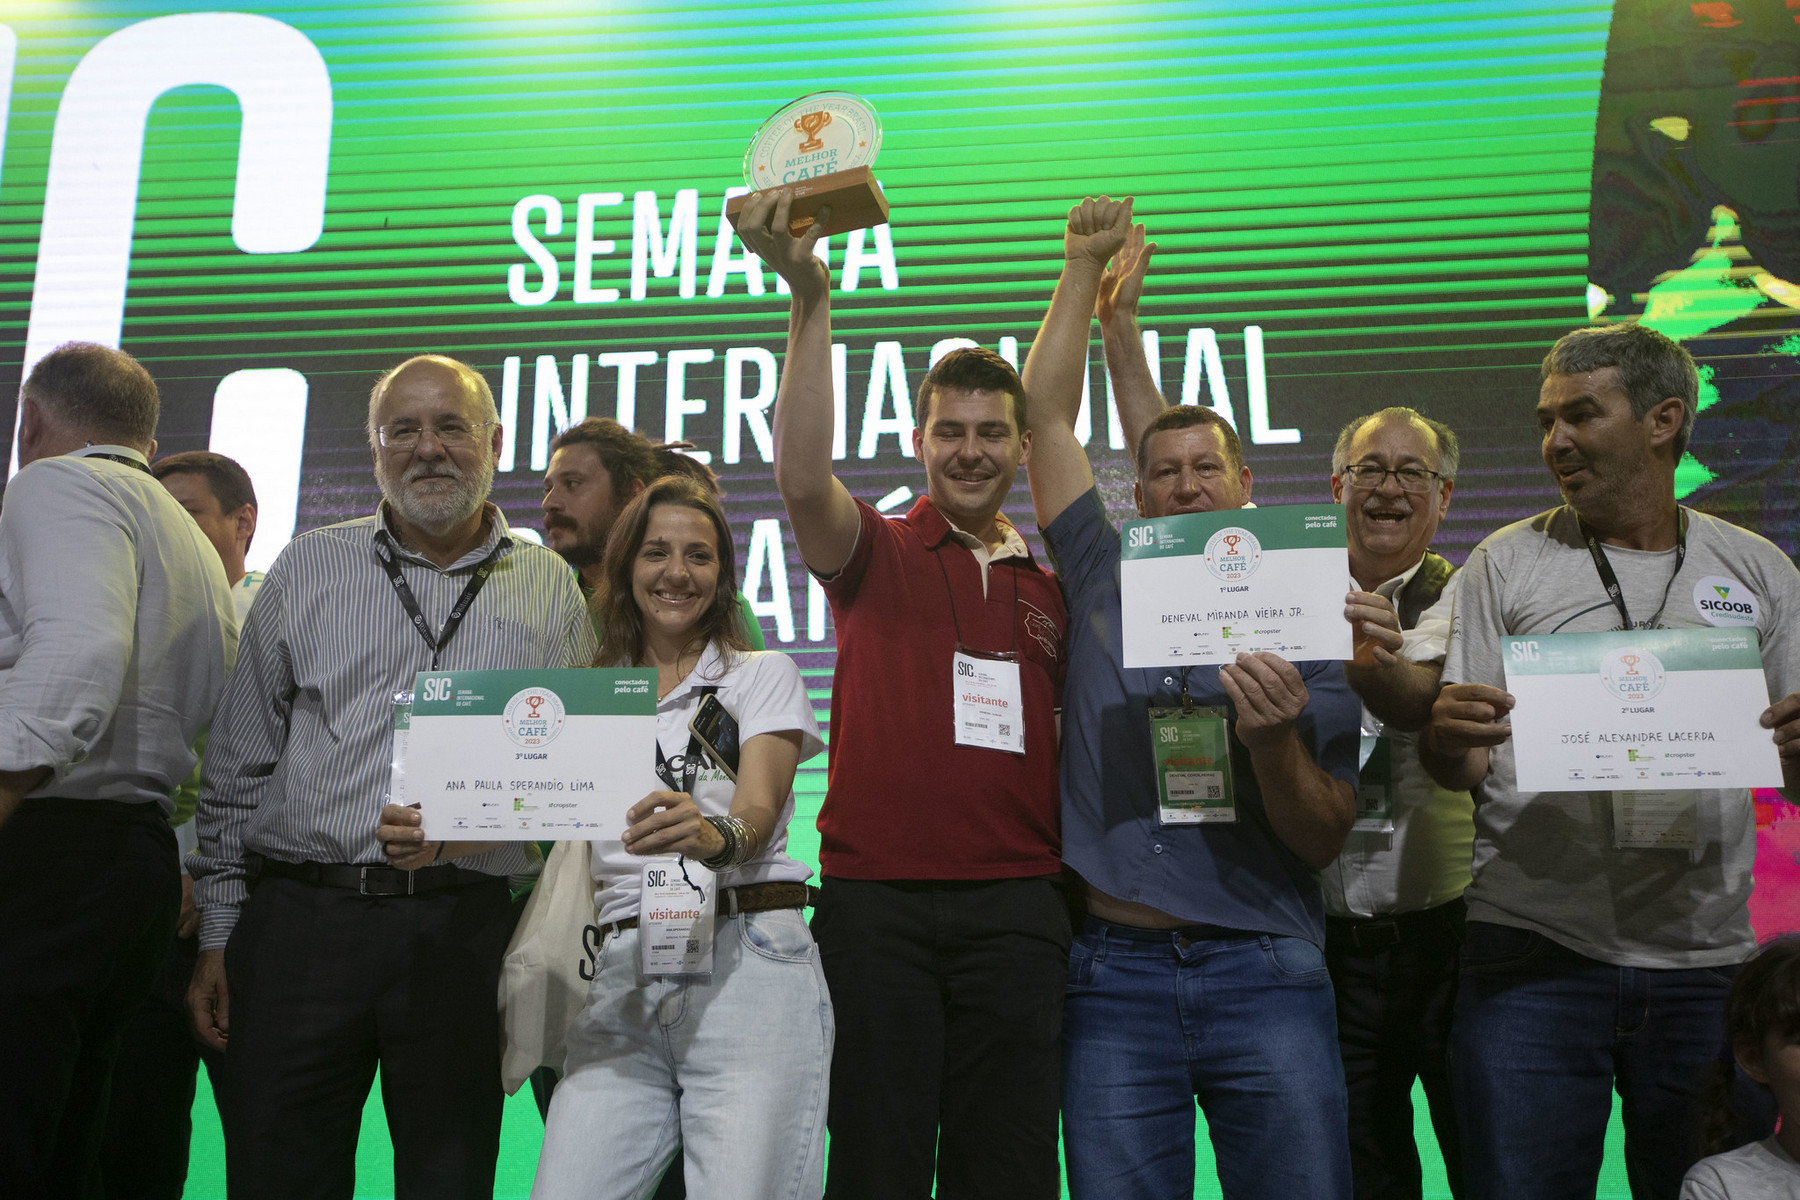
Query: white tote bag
column 545, row 975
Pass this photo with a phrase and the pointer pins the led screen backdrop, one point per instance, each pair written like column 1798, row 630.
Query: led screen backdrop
column 1356, row 205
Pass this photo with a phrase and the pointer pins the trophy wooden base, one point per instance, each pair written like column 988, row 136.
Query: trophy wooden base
column 856, row 203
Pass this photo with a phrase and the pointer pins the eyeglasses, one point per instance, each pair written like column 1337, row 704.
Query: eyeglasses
column 451, row 435
column 1368, row 476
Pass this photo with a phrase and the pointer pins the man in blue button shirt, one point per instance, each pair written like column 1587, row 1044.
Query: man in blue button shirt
column 1199, row 973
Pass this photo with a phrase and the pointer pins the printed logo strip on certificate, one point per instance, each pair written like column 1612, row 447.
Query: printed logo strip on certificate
column 1646, row 710
column 530, row 755
column 1203, row 588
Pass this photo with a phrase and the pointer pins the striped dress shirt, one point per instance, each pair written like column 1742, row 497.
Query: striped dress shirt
column 298, row 761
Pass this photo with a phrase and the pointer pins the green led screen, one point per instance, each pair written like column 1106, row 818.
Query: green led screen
column 1356, row 205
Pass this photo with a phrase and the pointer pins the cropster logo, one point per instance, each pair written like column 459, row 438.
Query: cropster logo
column 1632, row 673
column 533, row 717
column 1721, row 600
column 1233, row 554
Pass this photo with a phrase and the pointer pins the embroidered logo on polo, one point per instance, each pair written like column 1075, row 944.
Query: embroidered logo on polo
column 1721, row 600
column 533, row 717
column 1041, row 629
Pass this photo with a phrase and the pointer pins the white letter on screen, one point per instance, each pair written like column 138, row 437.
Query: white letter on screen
column 97, row 152
column 259, row 418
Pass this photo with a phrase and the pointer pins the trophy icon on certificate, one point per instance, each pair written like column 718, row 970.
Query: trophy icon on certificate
column 822, row 147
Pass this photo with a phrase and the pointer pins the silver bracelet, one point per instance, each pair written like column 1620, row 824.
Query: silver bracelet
column 740, row 843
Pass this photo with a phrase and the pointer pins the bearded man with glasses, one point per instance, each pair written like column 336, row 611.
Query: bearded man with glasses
column 318, row 961
column 1393, row 898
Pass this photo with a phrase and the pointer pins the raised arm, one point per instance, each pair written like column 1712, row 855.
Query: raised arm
column 1057, row 364
column 823, row 515
column 1133, row 385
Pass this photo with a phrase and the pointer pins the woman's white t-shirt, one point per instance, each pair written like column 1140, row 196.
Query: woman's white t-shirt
column 763, row 692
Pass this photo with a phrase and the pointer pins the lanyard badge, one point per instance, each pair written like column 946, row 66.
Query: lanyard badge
column 1192, row 745
column 1375, row 786
column 676, row 906
column 988, row 702
column 402, row 703
column 1656, row 820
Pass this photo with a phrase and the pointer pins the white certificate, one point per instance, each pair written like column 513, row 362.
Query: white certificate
column 1649, row 710
column 1205, row 587
column 529, row 756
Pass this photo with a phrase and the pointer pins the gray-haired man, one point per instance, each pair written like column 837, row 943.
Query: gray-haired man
column 317, row 959
column 1393, row 897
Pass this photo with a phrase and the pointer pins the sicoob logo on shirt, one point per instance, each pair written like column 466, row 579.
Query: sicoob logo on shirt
column 1233, row 554
column 1724, row 601
column 1632, row 673
column 534, row 717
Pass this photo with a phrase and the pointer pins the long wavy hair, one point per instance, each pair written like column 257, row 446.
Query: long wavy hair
column 1764, row 1000
column 616, row 612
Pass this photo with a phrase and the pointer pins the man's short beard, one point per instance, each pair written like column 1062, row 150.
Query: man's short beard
column 439, row 514
column 582, row 554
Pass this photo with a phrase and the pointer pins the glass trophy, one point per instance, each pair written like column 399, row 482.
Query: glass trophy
column 823, row 147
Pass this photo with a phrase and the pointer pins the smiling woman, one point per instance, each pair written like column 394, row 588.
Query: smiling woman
column 750, row 1051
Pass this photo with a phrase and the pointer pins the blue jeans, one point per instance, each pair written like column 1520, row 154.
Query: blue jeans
column 732, row 1072
column 1154, row 1021
column 1543, row 1035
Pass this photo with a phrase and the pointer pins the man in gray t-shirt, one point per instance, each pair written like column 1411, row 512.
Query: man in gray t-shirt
column 1588, row 966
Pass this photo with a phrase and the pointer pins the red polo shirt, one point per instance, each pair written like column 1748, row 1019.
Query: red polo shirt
column 904, row 800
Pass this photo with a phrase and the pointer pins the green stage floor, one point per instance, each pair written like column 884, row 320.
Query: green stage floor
column 523, row 1131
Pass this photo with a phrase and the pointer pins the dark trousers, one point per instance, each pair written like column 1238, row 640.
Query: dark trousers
column 948, row 1000
column 149, row 1124
column 324, row 985
column 89, row 891
column 1395, row 980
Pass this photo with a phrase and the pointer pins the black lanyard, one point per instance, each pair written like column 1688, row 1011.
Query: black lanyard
column 690, row 765
column 120, row 458
column 1611, row 582
column 1011, row 652
column 411, row 603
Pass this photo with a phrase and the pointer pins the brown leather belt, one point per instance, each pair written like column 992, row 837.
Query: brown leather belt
column 751, row 898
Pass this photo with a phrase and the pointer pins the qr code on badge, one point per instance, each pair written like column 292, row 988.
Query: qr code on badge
column 1006, row 731
column 693, row 946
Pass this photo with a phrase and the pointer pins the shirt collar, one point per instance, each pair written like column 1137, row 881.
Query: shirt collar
column 114, row 451
column 497, row 534
column 936, row 530
column 1392, row 587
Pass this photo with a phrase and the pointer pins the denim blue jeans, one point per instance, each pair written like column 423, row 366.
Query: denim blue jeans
column 1157, row 1020
column 1542, row 1037
column 735, row 1070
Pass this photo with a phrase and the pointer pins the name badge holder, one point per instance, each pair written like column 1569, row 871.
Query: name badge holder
column 402, row 703
column 676, row 907
column 1657, row 820
column 1375, row 786
column 988, row 700
column 1192, row 745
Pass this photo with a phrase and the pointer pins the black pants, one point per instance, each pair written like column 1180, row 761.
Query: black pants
column 324, row 985
column 89, row 891
column 1395, row 981
column 948, row 1001
column 149, row 1124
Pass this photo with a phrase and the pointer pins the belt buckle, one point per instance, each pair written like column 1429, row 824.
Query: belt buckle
column 1381, row 935
column 362, row 883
